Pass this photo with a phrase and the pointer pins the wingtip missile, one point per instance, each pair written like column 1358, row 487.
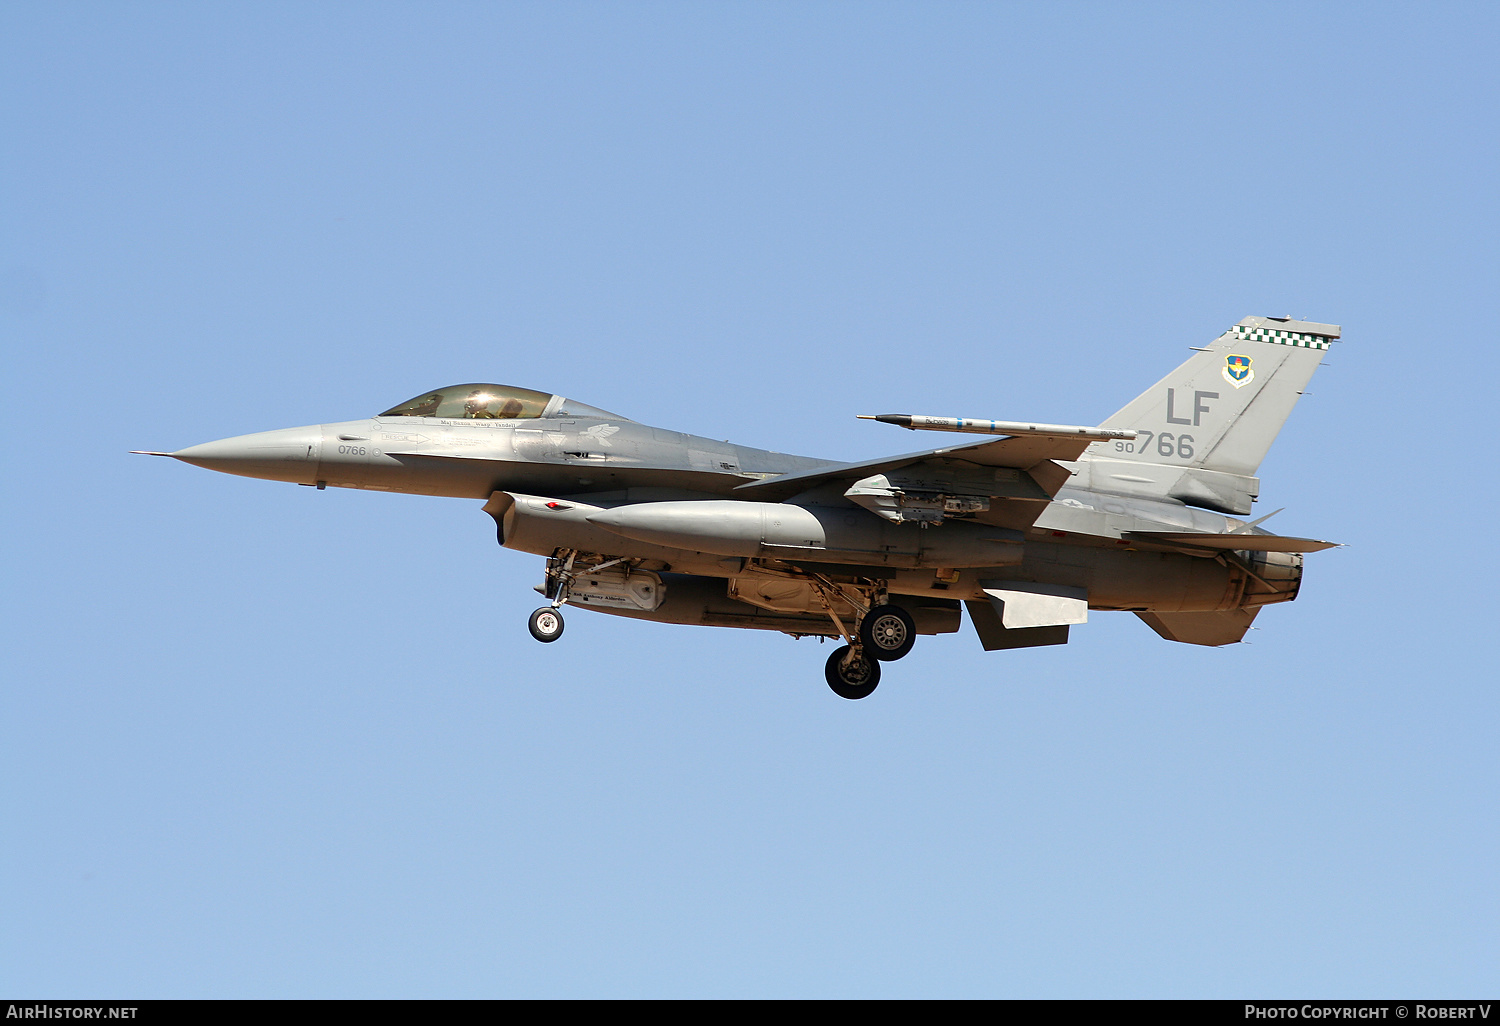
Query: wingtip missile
column 968, row 425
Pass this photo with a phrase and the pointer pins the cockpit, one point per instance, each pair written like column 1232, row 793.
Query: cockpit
column 478, row 401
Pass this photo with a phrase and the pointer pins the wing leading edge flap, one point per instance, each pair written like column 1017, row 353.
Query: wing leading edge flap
column 1031, row 453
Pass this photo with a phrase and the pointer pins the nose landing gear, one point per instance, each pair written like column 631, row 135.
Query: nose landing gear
column 546, row 624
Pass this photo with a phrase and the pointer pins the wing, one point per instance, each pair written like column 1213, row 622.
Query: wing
column 1008, row 480
column 1021, row 453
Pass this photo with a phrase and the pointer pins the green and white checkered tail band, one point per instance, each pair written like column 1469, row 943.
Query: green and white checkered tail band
column 1241, row 332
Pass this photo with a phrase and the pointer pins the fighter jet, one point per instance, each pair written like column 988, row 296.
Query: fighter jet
column 1028, row 528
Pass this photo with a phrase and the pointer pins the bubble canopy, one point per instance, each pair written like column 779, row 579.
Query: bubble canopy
column 481, row 401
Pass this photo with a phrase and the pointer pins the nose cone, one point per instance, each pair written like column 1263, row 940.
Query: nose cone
column 289, row 454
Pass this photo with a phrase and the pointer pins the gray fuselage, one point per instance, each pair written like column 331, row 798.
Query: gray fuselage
column 606, row 462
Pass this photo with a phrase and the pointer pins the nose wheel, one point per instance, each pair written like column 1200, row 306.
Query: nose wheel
column 546, row 624
column 851, row 674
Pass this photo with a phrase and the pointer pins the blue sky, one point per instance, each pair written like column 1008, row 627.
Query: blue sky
column 262, row 740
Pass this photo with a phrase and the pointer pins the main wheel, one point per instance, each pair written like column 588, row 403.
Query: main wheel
column 856, row 680
column 888, row 632
column 546, row 624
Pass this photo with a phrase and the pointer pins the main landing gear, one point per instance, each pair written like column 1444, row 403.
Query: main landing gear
column 887, row 633
column 851, row 674
column 882, row 633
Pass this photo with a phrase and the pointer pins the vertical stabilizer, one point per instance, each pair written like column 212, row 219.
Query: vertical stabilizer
column 1205, row 427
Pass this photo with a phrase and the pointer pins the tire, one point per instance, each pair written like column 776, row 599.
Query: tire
column 888, row 633
column 546, row 624
column 854, row 682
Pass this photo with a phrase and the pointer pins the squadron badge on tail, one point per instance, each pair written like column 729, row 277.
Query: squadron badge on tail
column 1237, row 371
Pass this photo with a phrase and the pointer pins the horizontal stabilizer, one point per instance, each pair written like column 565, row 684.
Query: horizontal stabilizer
column 1230, row 542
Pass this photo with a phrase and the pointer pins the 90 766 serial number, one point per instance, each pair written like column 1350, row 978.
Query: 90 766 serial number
column 1168, row 445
